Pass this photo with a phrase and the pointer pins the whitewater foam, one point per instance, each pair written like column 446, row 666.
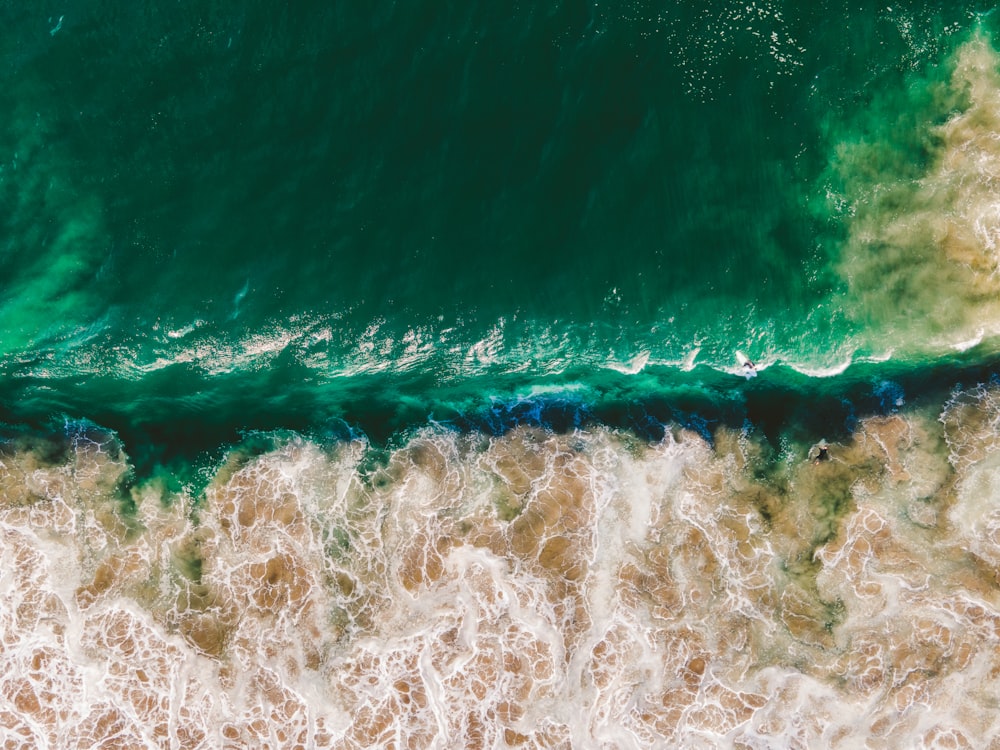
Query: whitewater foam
column 524, row 589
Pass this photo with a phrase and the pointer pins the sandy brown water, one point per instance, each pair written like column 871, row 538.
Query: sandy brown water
column 530, row 590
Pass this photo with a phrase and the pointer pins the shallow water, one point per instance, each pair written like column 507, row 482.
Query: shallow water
column 533, row 589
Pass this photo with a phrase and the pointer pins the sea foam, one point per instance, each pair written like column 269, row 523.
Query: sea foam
column 529, row 588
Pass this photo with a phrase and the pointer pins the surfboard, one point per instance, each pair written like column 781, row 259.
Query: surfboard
column 747, row 368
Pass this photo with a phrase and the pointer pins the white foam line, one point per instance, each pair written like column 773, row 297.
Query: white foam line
column 432, row 680
column 962, row 346
column 823, row 372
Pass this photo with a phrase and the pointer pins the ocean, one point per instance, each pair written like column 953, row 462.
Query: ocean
column 368, row 375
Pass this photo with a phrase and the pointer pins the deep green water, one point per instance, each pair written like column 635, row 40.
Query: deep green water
column 365, row 216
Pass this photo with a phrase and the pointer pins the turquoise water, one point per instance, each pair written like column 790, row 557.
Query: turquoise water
column 239, row 216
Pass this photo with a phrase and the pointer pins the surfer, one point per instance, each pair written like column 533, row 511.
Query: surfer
column 746, row 364
column 823, row 454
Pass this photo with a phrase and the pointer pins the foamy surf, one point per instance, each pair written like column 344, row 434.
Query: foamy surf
column 530, row 589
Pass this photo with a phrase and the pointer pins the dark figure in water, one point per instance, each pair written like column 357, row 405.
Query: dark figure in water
column 823, row 455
